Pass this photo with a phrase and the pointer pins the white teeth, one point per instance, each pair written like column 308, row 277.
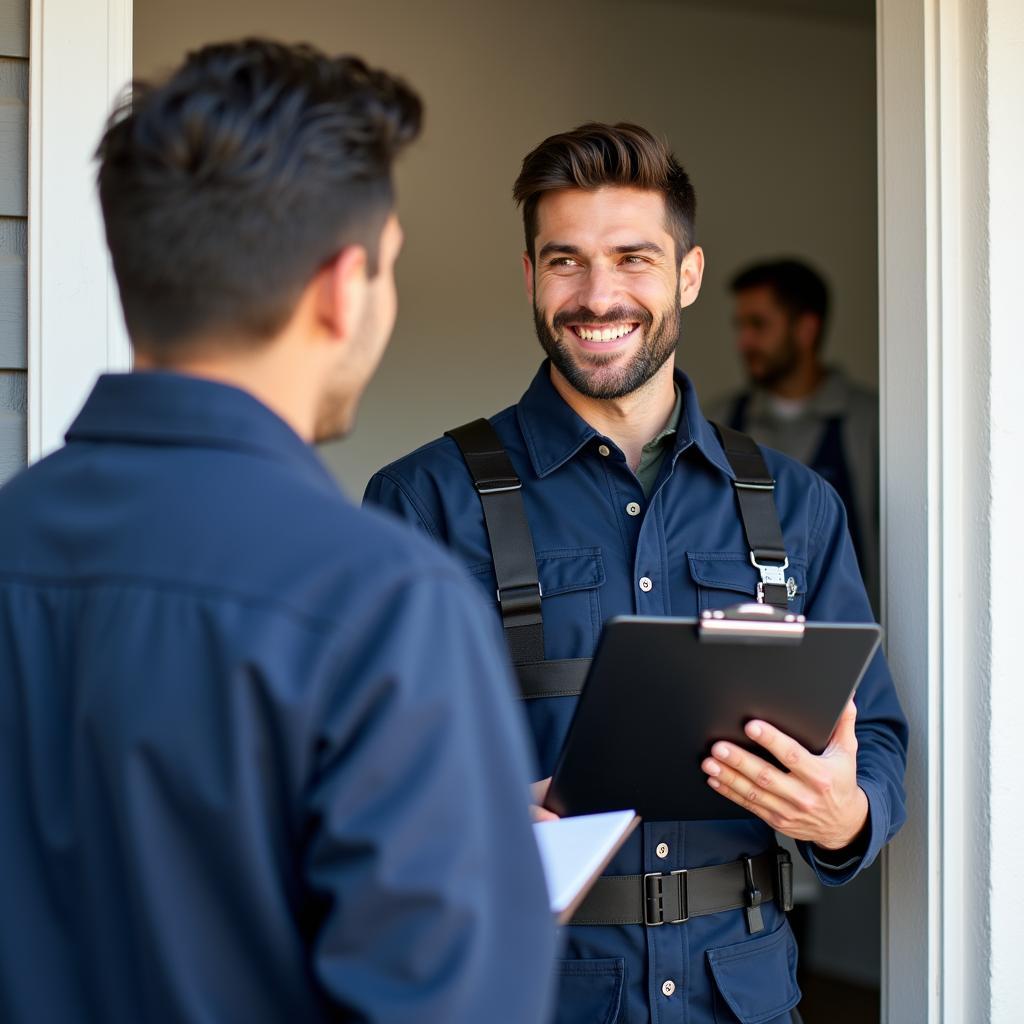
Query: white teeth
column 606, row 333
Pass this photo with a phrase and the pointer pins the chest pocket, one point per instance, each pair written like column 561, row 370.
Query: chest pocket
column 571, row 581
column 724, row 578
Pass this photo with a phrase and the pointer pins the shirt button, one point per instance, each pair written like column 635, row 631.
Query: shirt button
column 604, row 450
column 633, row 508
column 646, row 584
column 662, row 850
column 668, row 987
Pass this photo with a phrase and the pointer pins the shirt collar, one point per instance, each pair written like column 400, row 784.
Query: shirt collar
column 554, row 433
column 162, row 408
column 671, row 426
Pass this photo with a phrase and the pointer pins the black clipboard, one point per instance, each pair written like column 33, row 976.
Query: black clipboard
column 660, row 691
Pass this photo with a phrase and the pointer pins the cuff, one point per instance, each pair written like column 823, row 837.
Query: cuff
column 836, row 867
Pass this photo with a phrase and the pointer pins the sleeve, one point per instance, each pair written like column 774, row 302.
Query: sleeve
column 386, row 491
column 426, row 893
column 836, row 593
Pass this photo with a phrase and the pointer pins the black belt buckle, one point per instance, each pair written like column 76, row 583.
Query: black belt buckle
column 655, row 897
column 784, row 892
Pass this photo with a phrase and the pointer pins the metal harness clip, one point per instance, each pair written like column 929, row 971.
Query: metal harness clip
column 498, row 486
column 771, row 576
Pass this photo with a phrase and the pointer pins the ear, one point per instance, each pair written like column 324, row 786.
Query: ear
column 806, row 328
column 528, row 274
column 691, row 273
column 343, row 293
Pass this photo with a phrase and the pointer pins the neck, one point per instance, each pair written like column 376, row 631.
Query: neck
column 630, row 421
column 263, row 374
column 801, row 382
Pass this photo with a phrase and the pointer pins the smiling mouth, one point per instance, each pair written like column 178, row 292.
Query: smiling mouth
column 604, row 332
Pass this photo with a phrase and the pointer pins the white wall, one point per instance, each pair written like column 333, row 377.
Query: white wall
column 81, row 59
column 1005, row 45
column 770, row 108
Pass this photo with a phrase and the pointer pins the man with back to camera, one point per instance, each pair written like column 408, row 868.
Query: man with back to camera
column 259, row 758
column 798, row 405
column 627, row 494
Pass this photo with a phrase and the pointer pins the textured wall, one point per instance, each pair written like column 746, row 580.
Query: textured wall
column 13, row 234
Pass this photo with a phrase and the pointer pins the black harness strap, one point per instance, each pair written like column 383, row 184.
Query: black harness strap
column 562, row 678
column 515, row 562
column 515, row 565
column 830, row 462
column 755, row 493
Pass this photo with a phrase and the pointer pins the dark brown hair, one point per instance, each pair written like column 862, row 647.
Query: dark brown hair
column 227, row 186
column 797, row 287
column 596, row 155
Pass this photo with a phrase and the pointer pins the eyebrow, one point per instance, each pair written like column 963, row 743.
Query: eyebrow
column 565, row 249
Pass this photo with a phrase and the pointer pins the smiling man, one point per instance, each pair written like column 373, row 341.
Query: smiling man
column 605, row 491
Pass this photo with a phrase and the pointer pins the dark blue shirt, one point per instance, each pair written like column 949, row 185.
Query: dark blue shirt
column 258, row 755
column 688, row 541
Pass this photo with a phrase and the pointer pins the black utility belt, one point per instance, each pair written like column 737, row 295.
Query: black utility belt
column 673, row 897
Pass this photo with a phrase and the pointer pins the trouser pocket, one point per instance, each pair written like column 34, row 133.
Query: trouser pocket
column 754, row 981
column 590, row 991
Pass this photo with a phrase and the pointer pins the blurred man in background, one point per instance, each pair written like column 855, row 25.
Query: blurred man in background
column 798, row 405
column 259, row 758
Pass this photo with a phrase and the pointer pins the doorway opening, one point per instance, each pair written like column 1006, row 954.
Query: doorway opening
column 772, row 107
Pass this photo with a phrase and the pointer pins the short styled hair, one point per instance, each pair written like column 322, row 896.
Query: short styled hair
column 228, row 185
column 598, row 155
column 797, row 287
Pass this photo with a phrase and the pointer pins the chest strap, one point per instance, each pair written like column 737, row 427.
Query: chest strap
column 755, row 494
column 519, row 591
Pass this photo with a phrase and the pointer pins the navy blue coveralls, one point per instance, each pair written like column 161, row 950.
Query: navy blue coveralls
column 259, row 759
column 688, row 542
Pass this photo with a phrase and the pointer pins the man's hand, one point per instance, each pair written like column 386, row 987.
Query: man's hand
column 539, row 790
column 816, row 799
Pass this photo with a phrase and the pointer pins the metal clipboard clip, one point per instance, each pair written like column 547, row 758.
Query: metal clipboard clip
column 750, row 624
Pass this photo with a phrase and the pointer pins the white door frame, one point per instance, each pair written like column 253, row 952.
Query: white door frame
column 951, row 223
column 910, row 459
column 948, row 358
column 80, row 56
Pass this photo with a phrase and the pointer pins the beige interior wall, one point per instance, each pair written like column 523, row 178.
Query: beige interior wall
column 770, row 106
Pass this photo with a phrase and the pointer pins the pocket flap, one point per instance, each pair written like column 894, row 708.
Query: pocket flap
column 757, row 977
column 561, row 570
column 565, row 570
column 724, row 569
column 730, row 570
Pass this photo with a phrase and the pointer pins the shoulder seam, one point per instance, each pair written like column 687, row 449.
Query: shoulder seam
column 414, row 501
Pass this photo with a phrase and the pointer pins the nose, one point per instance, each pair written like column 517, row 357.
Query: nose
column 599, row 291
column 747, row 339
